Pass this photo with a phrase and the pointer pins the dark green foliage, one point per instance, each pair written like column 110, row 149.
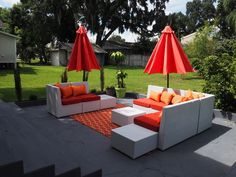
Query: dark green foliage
column 198, row 12
column 93, row 90
column 201, row 47
column 225, row 30
column 177, row 21
column 225, row 46
column 220, row 76
column 104, row 17
column 64, row 76
column 110, row 90
column 18, row 88
column 5, row 19
column 33, row 97
column 144, row 45
column 118, row 57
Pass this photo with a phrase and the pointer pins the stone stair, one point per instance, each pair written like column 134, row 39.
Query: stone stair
column 16, row 169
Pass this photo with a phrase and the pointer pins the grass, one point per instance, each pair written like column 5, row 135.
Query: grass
column 34, row 78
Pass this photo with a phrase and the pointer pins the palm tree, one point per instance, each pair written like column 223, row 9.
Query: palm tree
column 230, row 7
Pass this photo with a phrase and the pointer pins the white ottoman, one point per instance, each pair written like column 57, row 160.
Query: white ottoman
column 134, row 140
column 126, row 115
column 107, row 101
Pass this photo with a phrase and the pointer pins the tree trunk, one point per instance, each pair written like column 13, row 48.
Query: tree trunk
column 18, row 88
column 102, row 80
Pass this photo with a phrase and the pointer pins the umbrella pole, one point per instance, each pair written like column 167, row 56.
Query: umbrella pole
column 168, row 80
column 84, row 75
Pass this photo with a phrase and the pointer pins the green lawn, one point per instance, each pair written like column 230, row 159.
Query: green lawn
column 34, row 78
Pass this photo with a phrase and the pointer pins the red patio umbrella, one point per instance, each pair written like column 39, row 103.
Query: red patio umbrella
column 82, row 56
column 168, row 56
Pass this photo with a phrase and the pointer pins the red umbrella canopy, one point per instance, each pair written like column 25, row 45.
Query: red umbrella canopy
column 82, row 56
column 168, row 56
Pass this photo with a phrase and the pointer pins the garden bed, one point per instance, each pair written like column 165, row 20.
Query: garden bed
column 29, row 103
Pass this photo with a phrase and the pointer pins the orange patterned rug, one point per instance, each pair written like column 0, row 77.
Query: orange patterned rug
column 100, row 120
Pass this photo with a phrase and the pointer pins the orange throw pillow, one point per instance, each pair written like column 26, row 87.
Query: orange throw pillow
column 185, row 99
column 177, row 99
column 200, row 95
column 66, row 91
column 166, row 97
column 189, row 94
column 155, row 96
column 79, row 90
column 57, row 84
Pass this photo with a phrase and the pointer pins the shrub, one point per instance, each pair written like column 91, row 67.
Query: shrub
column 118, row 57
column 33, row 97
column 120, row 76
column 225, row 46
column 220, row 76
column 93, row 90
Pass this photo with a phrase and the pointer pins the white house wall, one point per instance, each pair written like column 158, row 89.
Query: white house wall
column 7, row 49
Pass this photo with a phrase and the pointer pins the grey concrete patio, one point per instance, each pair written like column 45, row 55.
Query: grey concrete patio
column 39, row 139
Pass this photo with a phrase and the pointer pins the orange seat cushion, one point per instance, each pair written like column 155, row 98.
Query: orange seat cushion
column 150, row 121
column 157, row 105
column 66, row 91
column 145, row 102
column 89, row 97
column 166, row 97
column 177, row 99
column 156, row 96
column 80, row 99
column 71, row 100
column 78, row 90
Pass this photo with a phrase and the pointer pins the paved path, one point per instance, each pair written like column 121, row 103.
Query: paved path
column 40, row 139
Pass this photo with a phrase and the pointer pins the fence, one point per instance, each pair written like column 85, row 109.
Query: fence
column 136, row 60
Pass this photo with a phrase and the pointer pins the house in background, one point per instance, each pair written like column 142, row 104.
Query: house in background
column 132, row 57
column 60, row 53
column 8, row 53
column 188, row 38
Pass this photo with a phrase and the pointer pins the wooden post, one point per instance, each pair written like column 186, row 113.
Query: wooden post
column 168, row 77
column 18, row 87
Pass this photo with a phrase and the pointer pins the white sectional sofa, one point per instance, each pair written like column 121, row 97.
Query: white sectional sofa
column 56, row 108
column 178, row 122
column 205, row 106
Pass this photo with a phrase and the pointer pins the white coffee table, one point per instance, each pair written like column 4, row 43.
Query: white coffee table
column 126, row 115
column 107, row 101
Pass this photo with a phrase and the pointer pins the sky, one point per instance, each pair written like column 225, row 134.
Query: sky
column 172, row 6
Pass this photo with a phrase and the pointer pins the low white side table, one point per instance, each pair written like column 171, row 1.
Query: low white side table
column 134, row 140
column 107, row 101
column 126, row 115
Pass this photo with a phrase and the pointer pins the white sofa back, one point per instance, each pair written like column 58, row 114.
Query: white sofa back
column 178, row 123
column 183, row 120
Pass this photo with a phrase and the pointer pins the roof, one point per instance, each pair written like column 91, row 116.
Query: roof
column 112, row 45
column 69, row 46
column 8, row 34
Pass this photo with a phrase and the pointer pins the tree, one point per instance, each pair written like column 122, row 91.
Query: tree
column 21, row 25
column 5, row 19
column 177, row 21
column 226, row 30
column 230, row 7
column 144, row 45
column 105, row 16
column 198, row 12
